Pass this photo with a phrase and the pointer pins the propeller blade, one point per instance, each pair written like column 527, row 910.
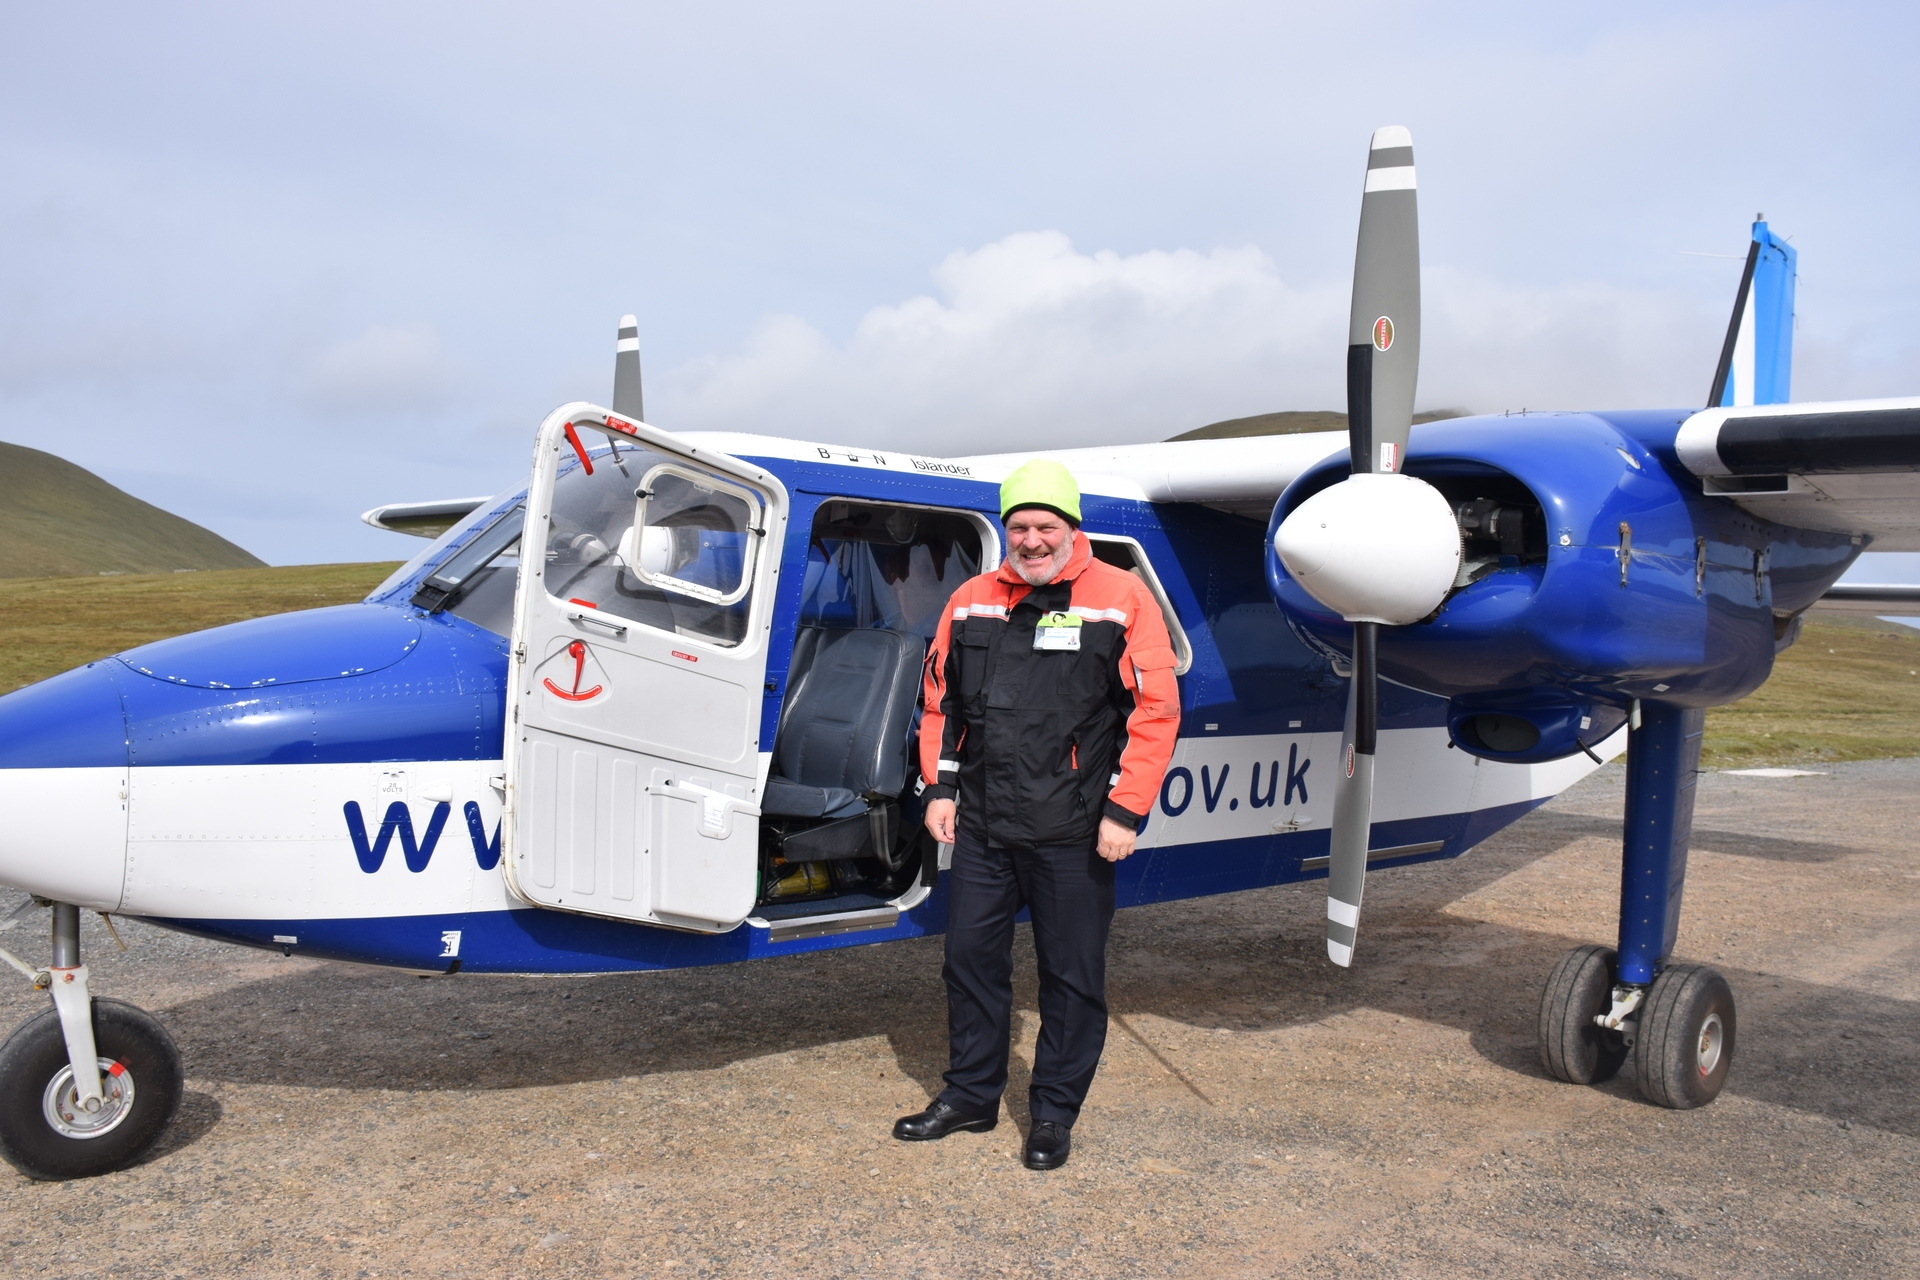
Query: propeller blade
column 626, row 371
column 1353, row 802
column 1383, row 329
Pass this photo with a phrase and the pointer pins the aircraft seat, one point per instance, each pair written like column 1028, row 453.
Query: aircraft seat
column 843, row 732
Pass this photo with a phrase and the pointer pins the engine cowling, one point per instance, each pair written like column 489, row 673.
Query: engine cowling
column 1592, row 571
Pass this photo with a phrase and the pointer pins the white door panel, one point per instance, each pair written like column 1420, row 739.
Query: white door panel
column 647, row 577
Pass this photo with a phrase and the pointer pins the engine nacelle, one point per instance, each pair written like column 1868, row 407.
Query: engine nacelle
column 1592, row 568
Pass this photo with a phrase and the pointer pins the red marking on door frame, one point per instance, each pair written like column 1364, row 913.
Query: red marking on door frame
column 577, row 600
column 687, row 657
column 579, row 449
column 626, row 428
column 578, row 652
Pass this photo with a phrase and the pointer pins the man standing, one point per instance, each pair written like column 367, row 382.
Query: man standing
column 1051, row 711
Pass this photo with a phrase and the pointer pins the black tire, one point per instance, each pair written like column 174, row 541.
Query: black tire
column 1579, row 989
column 37, row 1052
column 1684, row 1046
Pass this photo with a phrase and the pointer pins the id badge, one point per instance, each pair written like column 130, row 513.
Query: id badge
column 1060, row 631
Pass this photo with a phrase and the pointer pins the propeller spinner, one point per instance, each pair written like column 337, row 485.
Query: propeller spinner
column 1381, row 548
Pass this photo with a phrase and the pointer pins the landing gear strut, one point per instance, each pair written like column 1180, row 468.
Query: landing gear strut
column 87, row 1086
column 1603, row 1009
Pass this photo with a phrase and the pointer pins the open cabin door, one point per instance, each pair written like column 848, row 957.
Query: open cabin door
column 639, row 656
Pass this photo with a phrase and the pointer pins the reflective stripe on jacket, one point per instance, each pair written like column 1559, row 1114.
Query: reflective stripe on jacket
column 1039, row 744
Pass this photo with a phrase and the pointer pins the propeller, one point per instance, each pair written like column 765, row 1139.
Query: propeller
column 626, row 371
column 1380, row 548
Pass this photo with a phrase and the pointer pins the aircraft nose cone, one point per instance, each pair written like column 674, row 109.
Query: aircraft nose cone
column 1373, row 548
column 72, row 721
column 63, row 778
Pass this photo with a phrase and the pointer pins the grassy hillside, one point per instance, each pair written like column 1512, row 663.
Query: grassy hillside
column 57, row 519
column 48, row 625
column 1292, row 422
column 1848, row 691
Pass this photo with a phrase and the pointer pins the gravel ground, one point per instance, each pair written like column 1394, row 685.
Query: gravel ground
column 1259, row 1112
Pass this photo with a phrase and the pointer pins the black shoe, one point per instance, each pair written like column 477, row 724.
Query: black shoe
column 1048, row 1145
column 939, row 1120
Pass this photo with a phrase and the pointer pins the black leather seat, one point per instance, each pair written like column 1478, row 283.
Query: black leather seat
column 843, row 731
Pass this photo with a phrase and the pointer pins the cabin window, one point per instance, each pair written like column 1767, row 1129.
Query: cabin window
column 654, row 540
column 1126, row 553
column 872, row 564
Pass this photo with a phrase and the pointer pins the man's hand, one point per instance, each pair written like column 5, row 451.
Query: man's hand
column 940, row 820
column 1116, row 841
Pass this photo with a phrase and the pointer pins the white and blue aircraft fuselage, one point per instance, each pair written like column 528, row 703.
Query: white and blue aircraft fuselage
column 332, row 783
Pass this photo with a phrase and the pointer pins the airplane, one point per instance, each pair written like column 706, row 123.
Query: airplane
column 653, row 707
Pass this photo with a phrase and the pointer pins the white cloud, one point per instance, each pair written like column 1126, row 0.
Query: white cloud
column 1028, row 339
column 1031, row 340
column 384, row 369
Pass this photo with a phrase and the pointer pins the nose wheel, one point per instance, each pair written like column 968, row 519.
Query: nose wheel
column 48, row 1132
column 1675, row 1036
column 88, row 1086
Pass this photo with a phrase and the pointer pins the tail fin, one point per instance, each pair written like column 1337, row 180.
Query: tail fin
column 1756, row 361
column 626, row 371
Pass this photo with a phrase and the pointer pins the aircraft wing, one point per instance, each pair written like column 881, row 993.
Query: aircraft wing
column 1849, row 466
column 1245, row 475
column 422, row 519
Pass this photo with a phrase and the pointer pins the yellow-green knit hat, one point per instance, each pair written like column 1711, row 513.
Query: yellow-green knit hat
column 1041, row 483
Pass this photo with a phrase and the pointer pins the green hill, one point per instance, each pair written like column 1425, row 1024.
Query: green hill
column 60, row 520
column 1292, row 422
column 48, row 625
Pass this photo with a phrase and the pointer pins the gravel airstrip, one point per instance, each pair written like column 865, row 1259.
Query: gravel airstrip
column 1259, row 1112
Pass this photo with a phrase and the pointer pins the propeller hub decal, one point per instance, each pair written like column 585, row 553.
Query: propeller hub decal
column 1349, row 759
column 1382, row 332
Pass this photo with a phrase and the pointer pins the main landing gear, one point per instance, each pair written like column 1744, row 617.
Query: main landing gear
column 1605, row 1009
column 1675, row 1035
column 87, row 1086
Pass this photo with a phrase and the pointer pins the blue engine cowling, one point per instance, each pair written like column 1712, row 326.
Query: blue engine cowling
column 1595, row 572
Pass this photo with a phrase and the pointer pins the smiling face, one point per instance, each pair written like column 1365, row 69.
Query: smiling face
column 1039, row 543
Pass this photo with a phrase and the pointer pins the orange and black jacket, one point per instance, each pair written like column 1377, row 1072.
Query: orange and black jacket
column 1039, row 744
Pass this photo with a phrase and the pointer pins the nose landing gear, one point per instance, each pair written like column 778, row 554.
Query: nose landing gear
column 87, row 1086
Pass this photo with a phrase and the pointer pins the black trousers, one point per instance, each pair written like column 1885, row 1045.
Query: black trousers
column 1069, row 889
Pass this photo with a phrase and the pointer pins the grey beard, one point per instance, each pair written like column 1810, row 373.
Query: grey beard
column 1049, row 568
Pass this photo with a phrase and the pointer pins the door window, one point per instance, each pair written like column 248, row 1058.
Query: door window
column 695, row 535
column 653, row 541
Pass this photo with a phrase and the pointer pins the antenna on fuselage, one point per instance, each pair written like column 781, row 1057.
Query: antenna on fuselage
column 626, row 371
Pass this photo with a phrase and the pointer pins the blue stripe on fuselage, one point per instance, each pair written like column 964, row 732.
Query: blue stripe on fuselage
column 538, row 941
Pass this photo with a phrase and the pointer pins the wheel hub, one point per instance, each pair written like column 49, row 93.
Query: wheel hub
column 1713, row 1037
column 69, row 1117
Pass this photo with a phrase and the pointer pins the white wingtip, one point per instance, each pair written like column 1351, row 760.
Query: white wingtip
column 1392, row 135
column 1342, row 956
column 629, row 322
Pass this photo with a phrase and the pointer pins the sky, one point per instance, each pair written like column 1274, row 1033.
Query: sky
column 269, row 266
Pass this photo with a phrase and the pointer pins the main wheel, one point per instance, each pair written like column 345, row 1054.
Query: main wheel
column 1579, row 989
column 46, row 1134
column 1685, row 1041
